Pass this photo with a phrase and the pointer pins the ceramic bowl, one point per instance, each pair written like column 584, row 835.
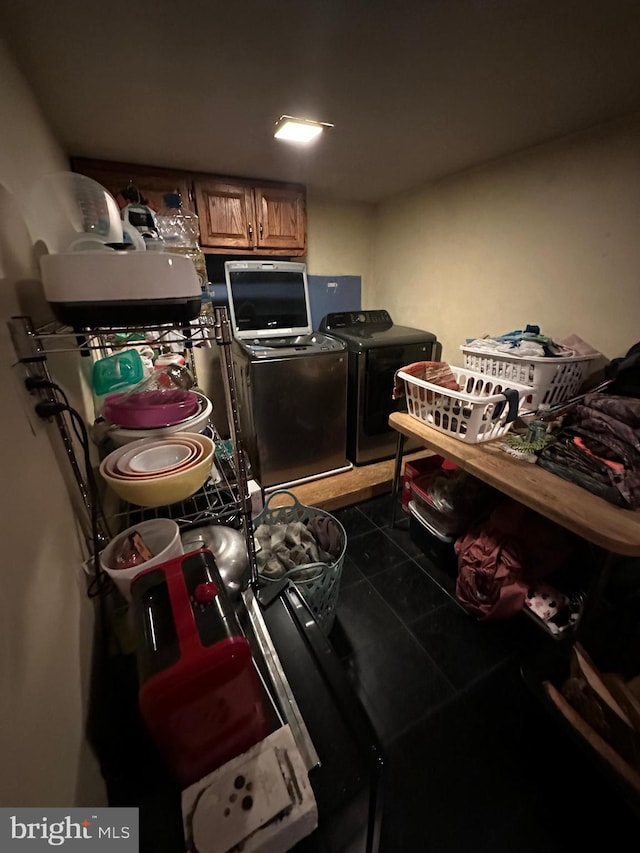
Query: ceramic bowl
column 164, row 453
column 151, row 409
column 160, row 535
column 163, row 489
column 195, row 424
column 117, row 462
column 157, row 460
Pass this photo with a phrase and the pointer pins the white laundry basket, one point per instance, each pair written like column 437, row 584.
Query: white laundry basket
column 482, row 410
column 551, row 380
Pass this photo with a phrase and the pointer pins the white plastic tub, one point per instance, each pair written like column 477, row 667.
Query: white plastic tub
column 479, row 412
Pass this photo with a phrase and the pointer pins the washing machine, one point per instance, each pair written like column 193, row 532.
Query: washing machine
column 377, row 348
column 291, row 381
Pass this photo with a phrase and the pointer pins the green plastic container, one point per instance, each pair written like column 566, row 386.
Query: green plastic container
column 117, row 371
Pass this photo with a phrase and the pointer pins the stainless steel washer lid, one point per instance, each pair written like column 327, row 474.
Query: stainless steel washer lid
column 286, row 347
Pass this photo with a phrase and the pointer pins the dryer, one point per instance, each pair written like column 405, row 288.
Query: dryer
column 377, row 347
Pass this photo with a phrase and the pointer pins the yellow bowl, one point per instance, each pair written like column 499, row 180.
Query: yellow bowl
column 167, row 488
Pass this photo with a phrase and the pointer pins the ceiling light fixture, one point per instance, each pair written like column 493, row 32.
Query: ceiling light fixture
column 299, row 129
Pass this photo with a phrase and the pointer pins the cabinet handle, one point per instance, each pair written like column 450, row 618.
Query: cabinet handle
column 261, row 230
column 250, row 231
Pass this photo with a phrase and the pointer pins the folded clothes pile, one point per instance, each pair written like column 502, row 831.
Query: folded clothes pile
column 530, row 343
column 598, row 448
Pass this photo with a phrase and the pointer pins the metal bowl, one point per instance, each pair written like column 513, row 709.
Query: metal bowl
column 229, row 550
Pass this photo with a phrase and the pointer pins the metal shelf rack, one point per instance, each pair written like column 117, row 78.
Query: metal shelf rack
column 227, row 501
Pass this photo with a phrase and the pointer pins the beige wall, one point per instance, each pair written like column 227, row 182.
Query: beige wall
column 45, row 616
column 550, row 236
column 340, row 238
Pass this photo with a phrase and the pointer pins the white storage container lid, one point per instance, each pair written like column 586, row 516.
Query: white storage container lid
column 71, row 209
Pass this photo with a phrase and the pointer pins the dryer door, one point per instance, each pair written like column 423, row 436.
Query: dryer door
column 381, row 366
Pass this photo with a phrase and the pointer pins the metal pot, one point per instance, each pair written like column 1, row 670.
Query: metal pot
column 229, row 550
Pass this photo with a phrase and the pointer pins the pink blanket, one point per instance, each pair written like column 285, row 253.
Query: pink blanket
column 500, row 559
column 437, row 372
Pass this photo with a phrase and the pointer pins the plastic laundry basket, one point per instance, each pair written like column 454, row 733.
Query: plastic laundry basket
column 552, row 380
column 320, row 591
column 482, row 410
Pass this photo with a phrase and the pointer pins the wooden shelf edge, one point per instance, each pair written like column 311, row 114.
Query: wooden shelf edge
column 603, row 750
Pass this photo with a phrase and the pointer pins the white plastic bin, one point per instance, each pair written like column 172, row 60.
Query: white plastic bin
column 480, row 411
column 551, row 380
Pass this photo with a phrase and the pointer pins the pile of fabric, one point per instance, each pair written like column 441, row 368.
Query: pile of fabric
column 502, row 561
column 598, row 447
column 530, row 343
column 284, row 547
column 435, row 372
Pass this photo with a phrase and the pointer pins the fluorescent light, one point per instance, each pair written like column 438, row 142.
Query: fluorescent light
column 299, row 129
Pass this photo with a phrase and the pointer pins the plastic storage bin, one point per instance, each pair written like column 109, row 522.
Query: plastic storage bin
column 436, row 545
column 416, row 468
column 445, row 523
column 321, row 591
column 116, row 371
column 552, row 380
column 74, row 213
column 483, row 410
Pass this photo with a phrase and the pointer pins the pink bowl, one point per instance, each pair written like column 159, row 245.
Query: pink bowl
column 150, row 409
column 121, row 464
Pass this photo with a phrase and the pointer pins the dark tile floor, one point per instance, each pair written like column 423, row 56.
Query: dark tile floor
column 473, row 760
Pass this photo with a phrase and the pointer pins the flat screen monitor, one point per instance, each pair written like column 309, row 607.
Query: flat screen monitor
column 268, row 299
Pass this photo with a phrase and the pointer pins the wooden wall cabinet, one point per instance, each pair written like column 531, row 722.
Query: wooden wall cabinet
column 263, row 218
column 236, row 216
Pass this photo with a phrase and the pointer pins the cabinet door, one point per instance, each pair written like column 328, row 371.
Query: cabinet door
column 226, row 214
column 281, row 222
column 152, row 183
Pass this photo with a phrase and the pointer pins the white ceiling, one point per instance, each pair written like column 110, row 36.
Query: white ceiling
column 416, row 89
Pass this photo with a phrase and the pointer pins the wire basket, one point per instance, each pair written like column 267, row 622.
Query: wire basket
column 482, row 410
column 320, row 590
column 552, row 380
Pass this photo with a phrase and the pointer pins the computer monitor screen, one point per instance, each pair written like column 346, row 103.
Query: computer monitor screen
column 266, row 303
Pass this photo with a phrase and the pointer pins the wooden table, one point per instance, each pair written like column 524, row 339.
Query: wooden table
column 612, row 528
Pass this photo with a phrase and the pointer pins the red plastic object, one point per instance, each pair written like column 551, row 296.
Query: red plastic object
column 205, row 592
column 417, row 467
column 207, row 707
column 150, row 409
